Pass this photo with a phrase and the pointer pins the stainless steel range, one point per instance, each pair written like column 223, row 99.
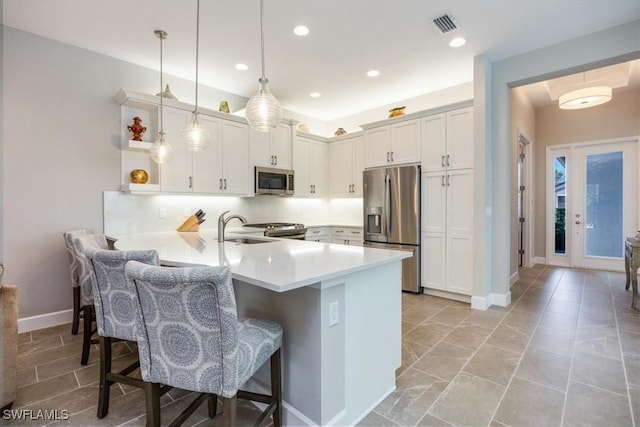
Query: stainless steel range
column 285, row 230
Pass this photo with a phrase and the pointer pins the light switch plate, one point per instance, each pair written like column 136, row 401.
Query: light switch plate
column 334, row 313
column 162, row 213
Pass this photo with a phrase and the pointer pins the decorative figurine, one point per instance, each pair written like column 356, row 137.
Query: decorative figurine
column 395, row 112
column 224, row 107
column 340, row 131
column 139, row 176
column 137, row 129
column 167, row 94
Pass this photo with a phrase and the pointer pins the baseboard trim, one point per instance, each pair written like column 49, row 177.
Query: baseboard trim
column 513, row 279
column 28, row 324
column 447, row 295
column 538, row 260
column 365, row 413
column 483, row 303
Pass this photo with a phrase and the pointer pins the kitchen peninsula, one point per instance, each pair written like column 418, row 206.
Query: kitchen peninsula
column 340, row 308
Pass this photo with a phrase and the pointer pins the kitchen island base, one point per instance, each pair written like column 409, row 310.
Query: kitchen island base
column 341, row 344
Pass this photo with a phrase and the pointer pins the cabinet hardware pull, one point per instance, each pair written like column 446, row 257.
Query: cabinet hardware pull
column 276, row 157
column 392, row 156
column 443, row 180
column 190, row 182
column 387, row 156
column 442, row 161
column 225, row 183
column 272, row 160
column 448, row 160
column 220, row 184
column 448, row 180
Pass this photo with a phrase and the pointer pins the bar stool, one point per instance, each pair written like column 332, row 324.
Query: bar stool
column 75, row 280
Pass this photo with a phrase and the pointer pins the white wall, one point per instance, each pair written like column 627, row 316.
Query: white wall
column 60, row 152
column 598, row 49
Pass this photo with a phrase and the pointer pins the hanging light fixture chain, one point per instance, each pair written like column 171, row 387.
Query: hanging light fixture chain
column 262, row 35
column 197, row 50
column 161, row 35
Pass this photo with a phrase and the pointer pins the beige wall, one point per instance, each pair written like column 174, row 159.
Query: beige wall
column 616, row 119
column 523, row 120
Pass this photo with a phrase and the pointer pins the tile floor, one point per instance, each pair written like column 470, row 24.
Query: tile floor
column 565, row 352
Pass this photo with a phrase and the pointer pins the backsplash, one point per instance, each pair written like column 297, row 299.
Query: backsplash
column 127, row 213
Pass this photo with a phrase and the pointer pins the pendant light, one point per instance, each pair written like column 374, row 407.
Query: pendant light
column 263, row 109
column 195, row 136
column 161, row 151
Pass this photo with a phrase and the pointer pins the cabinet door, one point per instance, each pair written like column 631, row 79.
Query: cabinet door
column 460, row 138
column 281, row 146
column 235, row 158
column 261, row 154
column 301, row 153
column 434, row 143
column 459, row 273
column 318, row 164
column 405, row 142
column 460, row 231
column 376, row 147
column 434, row 202
column 433, row 260
column 340, row 168
column 358, row 166
column 175, row 174
column 207, row 166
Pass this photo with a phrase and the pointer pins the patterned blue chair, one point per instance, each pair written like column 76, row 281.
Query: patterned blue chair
column 79, row 244
column 189, row 337
column 75, row 279
column 115, row 314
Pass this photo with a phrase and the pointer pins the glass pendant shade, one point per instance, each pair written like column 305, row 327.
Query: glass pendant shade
column 195, row 136
column 263, row 110
column 161, row 151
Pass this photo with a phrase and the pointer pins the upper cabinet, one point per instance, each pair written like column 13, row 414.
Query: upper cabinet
column 310, row 163
column 393, row 144
column 272, row 149
column 346, row 165
column 447, row 140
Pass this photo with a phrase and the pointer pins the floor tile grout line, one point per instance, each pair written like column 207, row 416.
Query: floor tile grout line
column 624, row 364
column 600, row 388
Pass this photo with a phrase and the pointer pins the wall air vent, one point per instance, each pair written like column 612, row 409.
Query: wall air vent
column 445, row 23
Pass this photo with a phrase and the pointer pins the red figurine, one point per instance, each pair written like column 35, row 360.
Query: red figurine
column 137, row 129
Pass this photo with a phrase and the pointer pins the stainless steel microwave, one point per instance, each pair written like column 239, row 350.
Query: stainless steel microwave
column 274, row 181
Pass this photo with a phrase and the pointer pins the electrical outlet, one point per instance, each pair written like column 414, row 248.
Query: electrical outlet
column 334, row 313
column 162, row 213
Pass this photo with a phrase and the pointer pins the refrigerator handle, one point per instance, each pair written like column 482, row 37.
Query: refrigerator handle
column 387, row 205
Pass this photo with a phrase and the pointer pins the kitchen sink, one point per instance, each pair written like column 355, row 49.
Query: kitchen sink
column 246, row 240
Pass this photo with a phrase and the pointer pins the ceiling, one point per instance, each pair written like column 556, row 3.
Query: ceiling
column 347, row 38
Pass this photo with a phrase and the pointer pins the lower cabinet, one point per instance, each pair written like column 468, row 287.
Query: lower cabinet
column 347, row 236
column 318, row 234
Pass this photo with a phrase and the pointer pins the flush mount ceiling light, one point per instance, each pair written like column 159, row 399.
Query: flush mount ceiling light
column 314, row 94
column 457, row 42
column 301, row 30
column 585, row 98
column 263, row 110
column 161, row 151
column 242, row 67
column 373, row 73
column 196, row 136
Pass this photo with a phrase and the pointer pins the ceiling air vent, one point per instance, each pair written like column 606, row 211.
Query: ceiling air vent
column 445, row 23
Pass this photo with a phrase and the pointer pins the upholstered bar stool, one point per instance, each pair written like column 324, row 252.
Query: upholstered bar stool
column 75, row 280
column 80, row 244
column 115, row 311
column 189, row 337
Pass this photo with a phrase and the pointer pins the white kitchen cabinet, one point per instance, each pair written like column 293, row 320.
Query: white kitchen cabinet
column 447, row 140
column 318, row 234
column 352, row 236
column 394, row 144
column 234, row 159
column 272, row 149
column 346, row 163
column 447, row 230
column 310, row 163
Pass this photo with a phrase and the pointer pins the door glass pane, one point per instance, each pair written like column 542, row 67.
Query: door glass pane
column 560, row 196
column 603, row 227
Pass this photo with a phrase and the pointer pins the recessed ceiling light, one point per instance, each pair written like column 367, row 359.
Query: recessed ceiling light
column 314, row 94
column 457, row 42
column 301, row 30
column 373, row 73
column 242, row 67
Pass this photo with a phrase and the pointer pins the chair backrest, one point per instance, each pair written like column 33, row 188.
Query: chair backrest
column 73, row 261
column 113, row 298
column 80, row 245
column 188, row 327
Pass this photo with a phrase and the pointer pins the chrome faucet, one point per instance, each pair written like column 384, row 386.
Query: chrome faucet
column 222, row 223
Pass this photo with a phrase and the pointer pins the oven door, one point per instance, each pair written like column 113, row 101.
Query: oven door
column 273, row 181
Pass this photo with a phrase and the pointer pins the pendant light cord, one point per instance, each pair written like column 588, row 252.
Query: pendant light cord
column 161, row 36
column 262, row 36
column 197, row 49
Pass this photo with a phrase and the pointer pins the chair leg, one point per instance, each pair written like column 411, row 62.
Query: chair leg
column 86, row 334
column 229, row 411
column 152, row 399
column 105, row 385
column 212, row 403
column 75, row 322
column 276, row 387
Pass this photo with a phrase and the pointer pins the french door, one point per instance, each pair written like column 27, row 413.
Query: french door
column 592, row 203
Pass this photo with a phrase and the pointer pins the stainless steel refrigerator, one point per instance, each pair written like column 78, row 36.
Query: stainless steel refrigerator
column 392, row 216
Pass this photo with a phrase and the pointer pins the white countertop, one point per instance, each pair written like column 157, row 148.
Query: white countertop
column 279, row 265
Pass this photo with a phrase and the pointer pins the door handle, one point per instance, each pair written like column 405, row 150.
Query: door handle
column 190, row 182
column 448, row 160
column 448, row 180
column 272, row 160
column 276, row 159
column 443, row 177
column 577, row 222
column 392, row 156
column 225, row 183
column 387, row 156
column 442, row 161
column 220, row 188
